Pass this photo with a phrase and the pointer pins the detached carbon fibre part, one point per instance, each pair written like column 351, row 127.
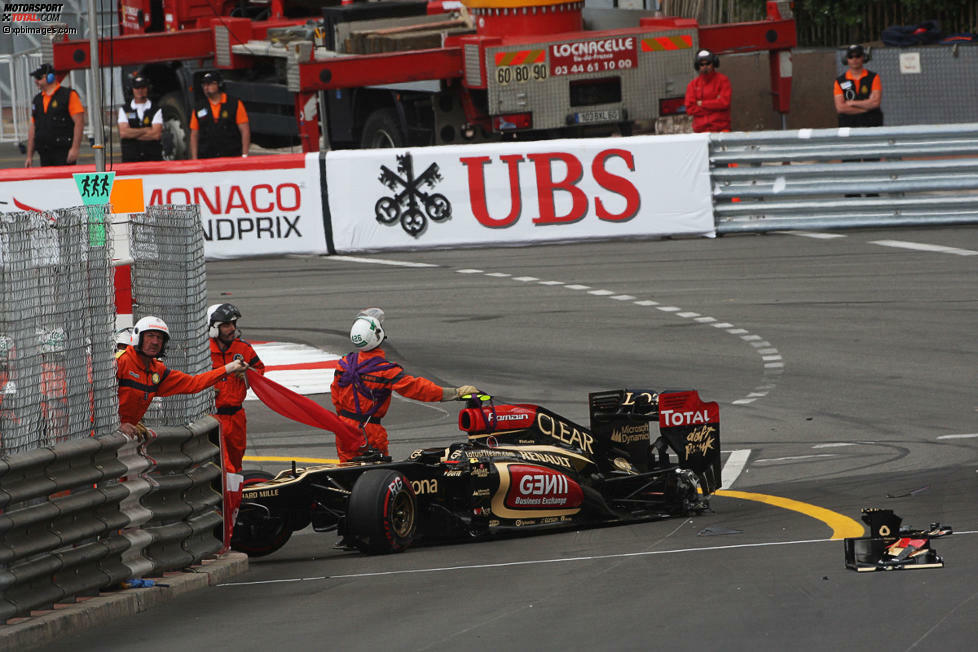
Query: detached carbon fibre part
column 892, row 547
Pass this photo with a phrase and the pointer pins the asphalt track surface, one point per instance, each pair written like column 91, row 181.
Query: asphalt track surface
column 845, row 365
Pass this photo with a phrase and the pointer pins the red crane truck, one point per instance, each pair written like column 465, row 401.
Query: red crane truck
column 419, row 72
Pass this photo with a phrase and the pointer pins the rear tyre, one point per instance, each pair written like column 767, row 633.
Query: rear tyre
column 382, row 130
column 382, row 514
column 176, row 128
column 257, row 531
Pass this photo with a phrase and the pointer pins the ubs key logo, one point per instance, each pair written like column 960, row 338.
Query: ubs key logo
column 405, row 206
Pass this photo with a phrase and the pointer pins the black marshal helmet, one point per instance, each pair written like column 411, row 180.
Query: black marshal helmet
column 221, row 313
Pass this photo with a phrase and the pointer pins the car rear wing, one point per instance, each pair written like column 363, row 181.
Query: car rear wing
column 620, row 420
column 691, row 427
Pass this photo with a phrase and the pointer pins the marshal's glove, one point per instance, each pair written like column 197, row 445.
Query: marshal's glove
column 466, row 389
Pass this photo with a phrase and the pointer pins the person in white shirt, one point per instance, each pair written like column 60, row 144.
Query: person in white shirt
column 140, row 125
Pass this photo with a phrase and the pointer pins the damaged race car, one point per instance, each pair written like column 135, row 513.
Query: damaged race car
column 522, row 468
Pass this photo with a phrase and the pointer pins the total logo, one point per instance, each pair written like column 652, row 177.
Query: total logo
column 672, row 418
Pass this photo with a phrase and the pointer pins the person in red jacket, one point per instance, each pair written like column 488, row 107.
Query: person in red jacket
column 226, row 346
column 142, row 376
column 708, row 95
column 364, row 380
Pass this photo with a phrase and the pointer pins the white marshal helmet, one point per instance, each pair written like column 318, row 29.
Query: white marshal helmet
column 147, row 324
column 368, row 329
column 123, row 336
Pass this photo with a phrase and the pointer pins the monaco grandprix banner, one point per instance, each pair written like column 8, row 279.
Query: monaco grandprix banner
column 254, row 206
column 520, row 193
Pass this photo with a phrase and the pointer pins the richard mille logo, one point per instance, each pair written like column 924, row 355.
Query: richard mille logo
column 408, row 200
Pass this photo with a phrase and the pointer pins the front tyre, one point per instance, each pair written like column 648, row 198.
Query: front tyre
column 382, row 514
column 258, row 531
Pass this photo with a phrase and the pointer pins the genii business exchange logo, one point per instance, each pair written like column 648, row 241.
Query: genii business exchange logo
column 29, row 18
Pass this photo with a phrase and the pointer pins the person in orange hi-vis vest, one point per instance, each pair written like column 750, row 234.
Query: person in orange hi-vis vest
column 226, row 345
column 142, row 376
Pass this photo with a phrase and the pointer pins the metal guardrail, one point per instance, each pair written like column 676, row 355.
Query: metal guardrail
column 87, row 514
column 845, row 178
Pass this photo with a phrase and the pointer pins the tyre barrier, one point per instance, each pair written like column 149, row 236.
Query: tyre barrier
column 88, row 514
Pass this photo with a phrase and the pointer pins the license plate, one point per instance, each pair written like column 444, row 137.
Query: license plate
column 611, row 115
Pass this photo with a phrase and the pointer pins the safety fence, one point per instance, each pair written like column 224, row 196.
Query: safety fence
column 57, row 377
column 85, row 515
column 169, row 280
column 16, row 92
column 845, row 178
column 57, row 314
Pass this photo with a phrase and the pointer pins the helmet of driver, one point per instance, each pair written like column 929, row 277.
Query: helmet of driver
column 147, row 324
column 221, row 313
column 367, row 332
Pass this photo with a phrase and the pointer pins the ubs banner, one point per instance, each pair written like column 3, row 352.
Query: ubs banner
column 520, row 193
column 248, row 207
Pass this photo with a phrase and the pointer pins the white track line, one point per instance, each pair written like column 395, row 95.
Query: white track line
column 812, row 234
column 772, row 362
column 535, row 562
column 733, row 467
column 380, row 261
column 920, row 246
column 971, row 436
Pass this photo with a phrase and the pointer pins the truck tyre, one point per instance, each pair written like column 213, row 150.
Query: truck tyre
column 382, row 513
column 382, row 130
column 176, row 128
column 257, row 531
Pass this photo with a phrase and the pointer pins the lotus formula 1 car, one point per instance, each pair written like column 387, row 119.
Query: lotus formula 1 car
column 521, row 468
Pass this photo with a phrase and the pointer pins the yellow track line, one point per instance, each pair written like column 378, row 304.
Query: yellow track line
column 842, row 526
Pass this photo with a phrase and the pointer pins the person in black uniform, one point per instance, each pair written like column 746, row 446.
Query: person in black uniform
column 219, row 125
column 57, row 121
column 858, row 92
column 140, row 125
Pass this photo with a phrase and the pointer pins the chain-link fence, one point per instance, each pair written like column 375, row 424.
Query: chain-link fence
column 57, row 373
column 169, row 282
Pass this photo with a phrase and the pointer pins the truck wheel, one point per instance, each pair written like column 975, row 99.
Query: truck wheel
column 382, row 513
column 257, row 531
column 382, row 130
column 176, row 128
